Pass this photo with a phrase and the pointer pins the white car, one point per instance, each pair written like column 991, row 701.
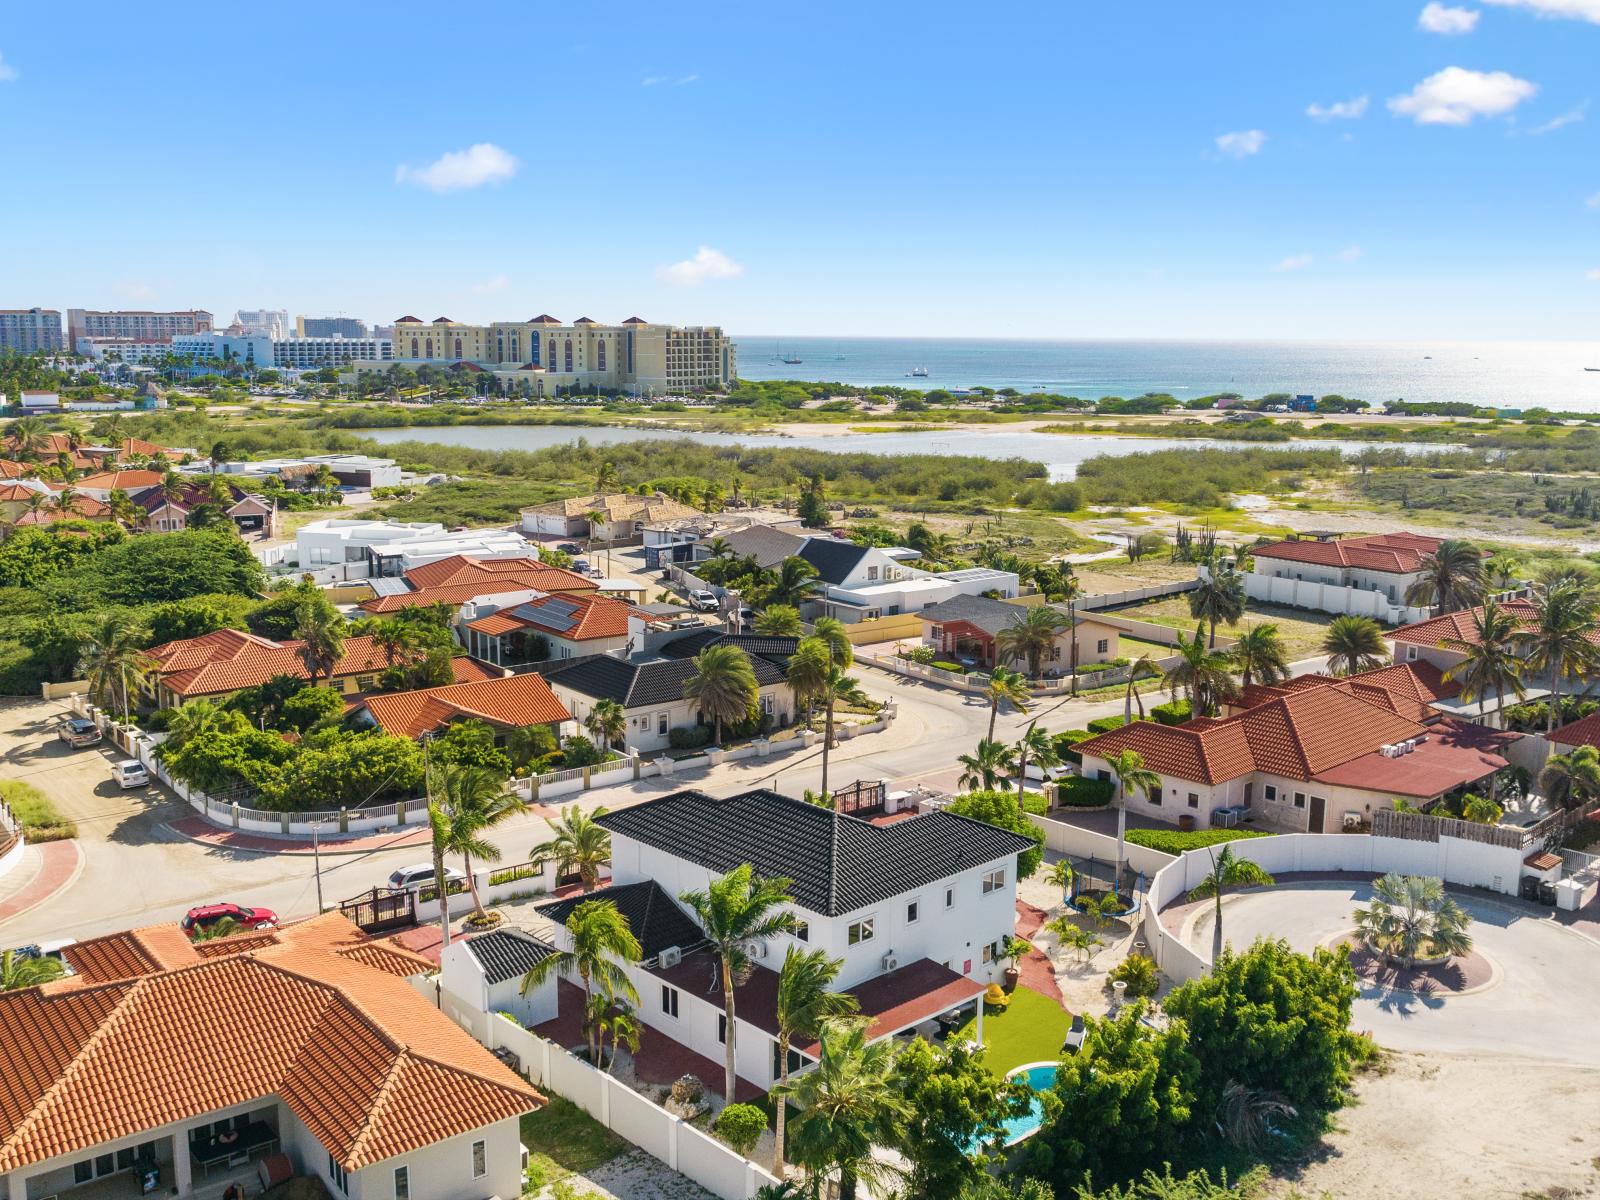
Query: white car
column 1038, row 774
column 130, row 773
column 408, row 879
column 702, row 600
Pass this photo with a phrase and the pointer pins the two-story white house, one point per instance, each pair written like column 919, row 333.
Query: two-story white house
column 918, row 908
column 171, row 1068
column 1362, row 576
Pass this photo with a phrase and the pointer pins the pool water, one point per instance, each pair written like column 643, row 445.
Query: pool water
column 1041, row 1077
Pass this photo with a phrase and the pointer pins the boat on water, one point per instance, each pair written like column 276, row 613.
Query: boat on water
column 917, row 373
column 792, row 361
column 1592, row 368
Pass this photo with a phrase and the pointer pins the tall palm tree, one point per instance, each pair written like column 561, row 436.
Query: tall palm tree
column 723, row 686
column 579, row 845
column 1556, row 642
column 835, row 635
column 67, row 499
column 836, row 687
column 17, row 972
column 1143, row 667
column 1070, row 589
column 320, row 631
column 1572, row 780
column 779, row 620
column 1491, row 662
column 189, row 721
column 792, row 582
column 848, row 1105
column 1226, row 872
column 172, row 487
column 1130, row 773
column 1500, row 571
column 607, row 723
column 804, row 1003
column 1353, row 645
column 37, row 502
column 1218, row 598
column 474, row 800
column 1035, row 746
column 735, row 911
column 397, row 639
column 601, row 944
column 1005, row 686
column 28, row 434
column 1260, row 655
column 1031, row 635
column 1450, row 578
column 988, row 768
column 1202, row 674
column 114, row 663
column 807, row 672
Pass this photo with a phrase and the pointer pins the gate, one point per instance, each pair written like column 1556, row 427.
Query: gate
column 381, row 910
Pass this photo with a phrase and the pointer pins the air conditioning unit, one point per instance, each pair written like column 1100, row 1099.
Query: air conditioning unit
column 671, row 956
column 890, row 962
column 1352, row 820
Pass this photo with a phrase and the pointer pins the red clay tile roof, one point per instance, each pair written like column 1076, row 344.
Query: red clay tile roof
column 128, row 481
column 551, row 579
column 1448, row 755
column 13, row 470
column 1585, row 731
column 409, row 320
column 1463, row 626
column 510, row 701
column 584, row 321
column 636, row 321
column 352, row 1049
column 574, row 618
column 1542, row 861
column 1408, row 689
column 465, row 569
column 544, row 319
column 228, row 660
column 135, row 445
column 1391, row 553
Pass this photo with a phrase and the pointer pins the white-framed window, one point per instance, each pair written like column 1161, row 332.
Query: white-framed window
column 1103, row 645
column 860, row 931
column 913, row 912
column 987, row 955
column 480, row 1159
column 1194, row 800
column 338, row 1176
column 1270, row 791
column 802, row 931
column 669, row 1000
column 994, row 880
column 872, row 573
column 402, row 1183
column 1299, row 799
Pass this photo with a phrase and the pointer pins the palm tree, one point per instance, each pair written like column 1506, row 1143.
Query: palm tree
column 1500, row 571
column 1073, row 936
column 601, row 943
column 1143, row 667
column 723, row 686
column 579, row 845
column 1449, row 579
column 1226, row 872
column 792, row 582
column 17, row 972
column 1005, row 685
column 527, row 742
column 67, row 499
column 779, row 620
column 114, row 663
column 1353, row 645
column 1410, row 916
column 36, row 502
column 172, row 487
column 1572, row 780
column 1071, row 591
column 1130, row 773
column 1556, row 642
column 320, row 632
column 28, row 434
column 474, row 800
column 847, row 1106
column 595, row 518
column 1036, row 746
column 189, row 721
column 1031, row 635
column 607, row 722
column 1218, row 597
column 807, row 672
column 1491, row 662
column 397, row 639
column 735, row 911
column 804, row 1003
column 988, row 768
column 835, row 686
column 836, row 637
column 1204, row 675
column 1260, row 655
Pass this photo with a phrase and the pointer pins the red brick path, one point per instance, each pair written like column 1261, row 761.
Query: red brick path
column 1037, row 973
column 59, row 864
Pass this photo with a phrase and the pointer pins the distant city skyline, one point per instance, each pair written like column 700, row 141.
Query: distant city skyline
column 1374, row 170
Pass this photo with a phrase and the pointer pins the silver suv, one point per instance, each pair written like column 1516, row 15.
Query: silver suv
column 79, row 731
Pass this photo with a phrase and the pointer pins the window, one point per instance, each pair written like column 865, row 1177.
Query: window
column 988, row 952
column 949, row 897
column 338, row 1176
column 1194, row 800
column 402, row 1182
column 722, row 1029
column 600, row 361
column 1299, row 799
column 83, row 1172
column 1103, row 645
column 860, row 931
column 913, row 911
column 1103, row 776
column 802, row 931
column 661, row 724
column 365, row 682
column 669, row 1000
column 872, row 573
column 480, row 1160
column 994, row 880
column 1270, row 791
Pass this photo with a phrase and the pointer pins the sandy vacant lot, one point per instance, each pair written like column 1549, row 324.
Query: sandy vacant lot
column 1460, row 1127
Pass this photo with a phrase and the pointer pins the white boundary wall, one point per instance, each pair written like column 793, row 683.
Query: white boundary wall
column 9, row 825
column 1082, row 843
column 1470, row 864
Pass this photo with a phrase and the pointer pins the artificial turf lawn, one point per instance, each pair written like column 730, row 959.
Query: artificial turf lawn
column 1031, row 1029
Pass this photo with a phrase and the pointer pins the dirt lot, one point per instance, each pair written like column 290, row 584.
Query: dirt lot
column 1462, row 1126
column 1302, row 630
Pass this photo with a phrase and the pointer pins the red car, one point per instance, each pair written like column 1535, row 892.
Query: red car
column 204, row 916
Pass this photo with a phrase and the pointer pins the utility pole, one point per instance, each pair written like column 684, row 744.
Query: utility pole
column 316, row 858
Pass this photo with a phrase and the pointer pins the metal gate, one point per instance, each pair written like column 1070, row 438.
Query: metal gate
column 381, row 910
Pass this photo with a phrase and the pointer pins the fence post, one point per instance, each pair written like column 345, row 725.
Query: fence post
column 283, row 822
column 533, row 789
column 587, row 772
column 235, row 808
column 672, row 1142
column 344, row 820
column 636, row 767
column 605, row 1100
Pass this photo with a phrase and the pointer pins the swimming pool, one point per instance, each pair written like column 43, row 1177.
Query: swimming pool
column 1041, row 1077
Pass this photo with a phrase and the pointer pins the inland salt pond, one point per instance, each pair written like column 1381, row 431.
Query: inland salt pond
column 1061, row 453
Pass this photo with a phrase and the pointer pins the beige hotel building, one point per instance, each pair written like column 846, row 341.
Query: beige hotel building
column 635, row 355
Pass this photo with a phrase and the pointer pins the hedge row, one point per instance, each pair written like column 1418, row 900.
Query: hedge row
column 1074, row 791
column 1176, row 841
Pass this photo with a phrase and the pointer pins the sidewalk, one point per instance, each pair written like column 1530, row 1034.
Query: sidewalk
column 59, row 864
column 198, row 829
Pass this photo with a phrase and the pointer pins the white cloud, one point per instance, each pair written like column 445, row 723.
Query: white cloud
column 499, row 283
column 7, row 71
column 469, row 168
column 1242, row 144
column 1455, row 96
column 1592, row 201
column 1593, row 276
column 675, row 81
column 1571, row 117
column 706, row 264
column 1340, row 110
column 1451, row 22
column 1351, row 253
column 1295, row 262
column 1572, row 10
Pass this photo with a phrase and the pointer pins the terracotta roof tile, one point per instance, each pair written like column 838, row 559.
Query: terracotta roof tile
column 1462, row 627
column 128, row 481
column 511, row 701
column 1585, row 731
column 228, row 660
column 572, row 618
column 1389, row 553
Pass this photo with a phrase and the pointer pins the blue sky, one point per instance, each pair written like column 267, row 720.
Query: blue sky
column 1049, row 170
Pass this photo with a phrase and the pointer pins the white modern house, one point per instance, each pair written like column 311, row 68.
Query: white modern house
column 391, row 548
column 1360, row 576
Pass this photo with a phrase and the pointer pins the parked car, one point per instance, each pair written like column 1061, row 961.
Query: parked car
column 78, row 731
column 421, row 875
column 204, row 916
column 570, row 548
column 703, row 600
column 581, row 566
column 1038, row 774
column 130, row 773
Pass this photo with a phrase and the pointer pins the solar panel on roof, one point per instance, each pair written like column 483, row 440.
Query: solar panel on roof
column 389, row 587
column 555, row 613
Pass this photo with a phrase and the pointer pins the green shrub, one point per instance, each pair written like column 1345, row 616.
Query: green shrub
column 579, row 751
column 1074, row 791
column 1139, row 973
column 1175, row 841
column 1106, row 724
column 40, row 819
column 1066, row 740
column 741, row 1126
column 948, row 666
column 1175, row 712
column 1033, row 802
column 689, row 737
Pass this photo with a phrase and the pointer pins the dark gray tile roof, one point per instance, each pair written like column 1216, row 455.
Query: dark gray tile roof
column 779, row 648
column 508, row 953
column 837, row 863
column 987, row 614
column 834, row 560
column 652, row 915
column 634, row 685
column 766, row 545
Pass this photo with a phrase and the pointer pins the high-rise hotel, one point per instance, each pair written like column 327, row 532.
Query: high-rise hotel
column 550, row 355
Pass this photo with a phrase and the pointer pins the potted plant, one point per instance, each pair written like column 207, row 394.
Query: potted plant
column 1015, row 948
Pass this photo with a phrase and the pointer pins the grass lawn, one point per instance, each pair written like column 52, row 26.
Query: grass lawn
column 41, row 820
column 1031, row 1029
column 1302, row 630
column 1132, row 647
column 563, row 1140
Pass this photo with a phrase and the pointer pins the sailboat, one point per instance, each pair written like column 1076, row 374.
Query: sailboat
column 791, row 359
